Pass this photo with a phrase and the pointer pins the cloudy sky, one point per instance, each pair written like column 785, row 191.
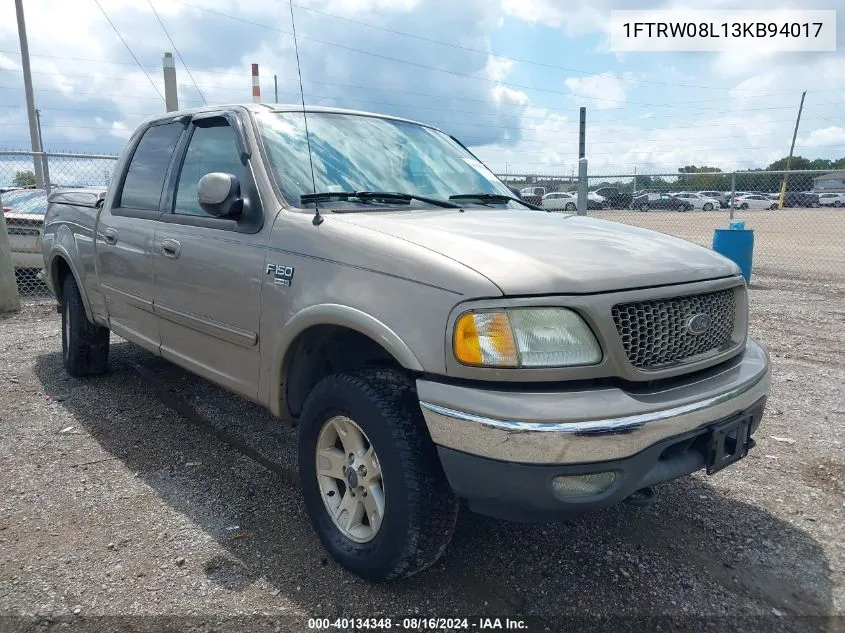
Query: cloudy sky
column 505, row 76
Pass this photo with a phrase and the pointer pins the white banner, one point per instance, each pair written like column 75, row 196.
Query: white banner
column 729, row 30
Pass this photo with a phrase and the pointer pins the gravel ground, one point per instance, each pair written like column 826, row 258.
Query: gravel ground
column 150, row 492
column 788, row 241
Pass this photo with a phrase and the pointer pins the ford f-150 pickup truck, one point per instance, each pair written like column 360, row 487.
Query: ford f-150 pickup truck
column 434, row 337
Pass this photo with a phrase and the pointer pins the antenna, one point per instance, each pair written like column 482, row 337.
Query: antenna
column 318, row 219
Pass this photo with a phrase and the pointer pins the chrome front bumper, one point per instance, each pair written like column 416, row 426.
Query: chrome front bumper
column 587, row 425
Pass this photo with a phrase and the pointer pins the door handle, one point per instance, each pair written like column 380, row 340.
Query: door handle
column 170, row 248
column 110, row 236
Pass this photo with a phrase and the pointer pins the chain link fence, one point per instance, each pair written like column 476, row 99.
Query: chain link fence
column 24, row 201
column 802, row 234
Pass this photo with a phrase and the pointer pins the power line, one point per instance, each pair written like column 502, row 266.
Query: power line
column 608, row 130
column 682, row 105
column 114, row 28
column 329, row 83
column 473, row 112
column 425, row 66
column 513, row 59
column 173, row 44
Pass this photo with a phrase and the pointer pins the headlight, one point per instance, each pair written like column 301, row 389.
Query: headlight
column 524, row 337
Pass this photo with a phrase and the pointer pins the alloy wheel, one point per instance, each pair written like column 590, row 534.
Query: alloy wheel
column 350, row 479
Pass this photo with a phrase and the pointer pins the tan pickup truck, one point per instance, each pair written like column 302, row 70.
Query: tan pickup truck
column 435, row 337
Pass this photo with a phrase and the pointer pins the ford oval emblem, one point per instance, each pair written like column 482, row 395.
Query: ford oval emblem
column 699, row 323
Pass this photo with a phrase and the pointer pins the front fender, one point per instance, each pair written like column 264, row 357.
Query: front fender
column 340, row 315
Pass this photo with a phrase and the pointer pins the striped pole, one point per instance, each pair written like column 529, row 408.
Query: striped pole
column 256, row 87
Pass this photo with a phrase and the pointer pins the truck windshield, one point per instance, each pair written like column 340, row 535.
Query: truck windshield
column 354, row 152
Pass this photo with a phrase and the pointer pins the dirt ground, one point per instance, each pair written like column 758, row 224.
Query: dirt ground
column 152, row 495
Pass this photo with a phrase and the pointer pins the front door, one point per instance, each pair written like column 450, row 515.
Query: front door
column 125, row 233
column 208, row 270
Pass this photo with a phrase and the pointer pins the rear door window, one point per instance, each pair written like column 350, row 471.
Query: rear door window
column 144, row 182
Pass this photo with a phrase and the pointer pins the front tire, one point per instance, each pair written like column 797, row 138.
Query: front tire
column 644, row 207
column 744, row 206
column 569, row 207
column 85, row 345
column 408, row 527
column 708, row 207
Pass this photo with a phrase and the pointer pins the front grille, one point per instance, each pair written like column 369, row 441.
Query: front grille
column 655, row 335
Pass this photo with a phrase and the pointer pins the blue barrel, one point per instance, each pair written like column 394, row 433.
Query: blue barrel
column 738, row 246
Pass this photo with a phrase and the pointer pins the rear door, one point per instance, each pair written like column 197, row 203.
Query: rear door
column 125, row 232
column 209, row 271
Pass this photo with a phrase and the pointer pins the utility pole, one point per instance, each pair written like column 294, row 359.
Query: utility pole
column 43, row 156
column 171, row 94
column 276, row 87
column 582, row 164
column 30, row 97
column 791, row 149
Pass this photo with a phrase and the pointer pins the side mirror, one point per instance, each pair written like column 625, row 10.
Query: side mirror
column 219, row 194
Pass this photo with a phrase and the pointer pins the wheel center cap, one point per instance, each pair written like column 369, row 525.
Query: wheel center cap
column 352, row 477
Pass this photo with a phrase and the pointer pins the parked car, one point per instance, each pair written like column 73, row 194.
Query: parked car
column 721, row 196
column 698, row 201
column 561, row 201
column 568, row 201
column 832, row 199
column 533, row 191
column 650, row 201
column 754, row 201
column 613, row 198
column 24, row 211
column 805, row 199
column 436, row 343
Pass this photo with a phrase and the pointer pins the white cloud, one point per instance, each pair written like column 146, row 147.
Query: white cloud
column 505, row 95
column 7, row 63
column 352, row 7
column 824, row 137
column 606, row 89
column 120, row 130
column 93, row 105
column 498, row 68
column 536, row 11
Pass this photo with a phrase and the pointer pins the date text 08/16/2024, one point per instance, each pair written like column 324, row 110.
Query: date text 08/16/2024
column 419, row 624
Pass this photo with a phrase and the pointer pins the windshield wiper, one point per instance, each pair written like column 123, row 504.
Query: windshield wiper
column 390, row 196
column 494, row 197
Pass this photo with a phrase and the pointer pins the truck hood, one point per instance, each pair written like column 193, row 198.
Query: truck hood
column 529, row 252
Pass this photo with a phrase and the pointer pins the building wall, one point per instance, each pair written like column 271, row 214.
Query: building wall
column 829, row 184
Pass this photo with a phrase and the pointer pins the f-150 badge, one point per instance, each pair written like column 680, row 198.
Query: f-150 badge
column 282, row 275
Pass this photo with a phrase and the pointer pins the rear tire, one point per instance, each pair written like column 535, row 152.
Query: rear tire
column 418, row 509
column 85, row 345
column 644, row 207
column 569, row 208
column 773, row 207
column 837, row 204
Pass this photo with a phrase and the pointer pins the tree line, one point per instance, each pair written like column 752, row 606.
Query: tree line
column 702, row 178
